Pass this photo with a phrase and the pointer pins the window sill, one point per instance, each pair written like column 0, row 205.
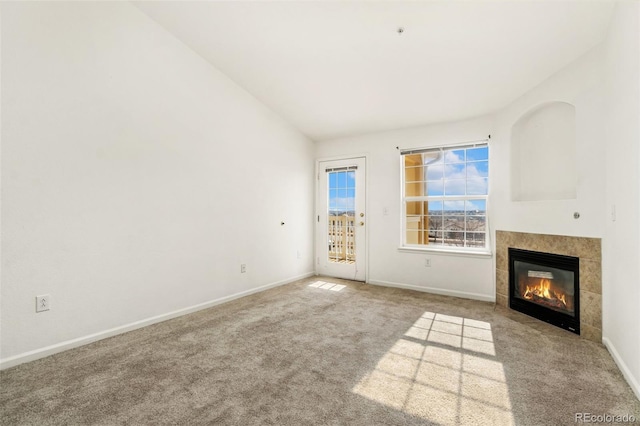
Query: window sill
column 443, row 250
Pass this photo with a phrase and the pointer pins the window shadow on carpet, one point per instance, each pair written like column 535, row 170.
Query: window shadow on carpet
column 443, row 369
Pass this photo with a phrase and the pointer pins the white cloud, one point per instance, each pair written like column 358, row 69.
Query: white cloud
column 341, row 204
column 456, row 179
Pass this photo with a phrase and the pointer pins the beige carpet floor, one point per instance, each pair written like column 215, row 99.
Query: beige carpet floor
column 330, row 352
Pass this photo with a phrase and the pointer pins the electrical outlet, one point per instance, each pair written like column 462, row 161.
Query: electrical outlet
column 427, row 262
column 243, row 268
column 43, row 303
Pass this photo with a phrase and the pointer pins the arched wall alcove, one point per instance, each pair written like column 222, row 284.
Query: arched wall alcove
column 543, row 153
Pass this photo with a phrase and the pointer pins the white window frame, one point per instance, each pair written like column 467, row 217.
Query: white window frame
column 404, row 246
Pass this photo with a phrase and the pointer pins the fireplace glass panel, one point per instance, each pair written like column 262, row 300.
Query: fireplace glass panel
column 546, row 286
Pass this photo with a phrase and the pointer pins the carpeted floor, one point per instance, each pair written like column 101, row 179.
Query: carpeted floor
column 315, row 353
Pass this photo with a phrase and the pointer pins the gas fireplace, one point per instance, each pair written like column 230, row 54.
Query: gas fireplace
column 545, row 286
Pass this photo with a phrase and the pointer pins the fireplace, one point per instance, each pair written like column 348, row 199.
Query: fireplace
column 545, row 286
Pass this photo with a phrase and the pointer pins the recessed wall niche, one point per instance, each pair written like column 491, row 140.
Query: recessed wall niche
column 543, row 154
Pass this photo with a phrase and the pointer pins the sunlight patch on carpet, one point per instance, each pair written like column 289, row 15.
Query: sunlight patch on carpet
column 442, row 370
column 327, row 286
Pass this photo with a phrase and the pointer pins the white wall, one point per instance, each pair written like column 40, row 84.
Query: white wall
column 621, row 251
column 543, row 154
column 604, row 88
column 579, row 84
column 136, row 178
column 458, row 275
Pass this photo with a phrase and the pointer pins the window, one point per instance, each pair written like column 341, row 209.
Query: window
column 342, row 211
column 444, row 197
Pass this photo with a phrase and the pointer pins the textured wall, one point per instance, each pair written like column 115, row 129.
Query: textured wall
column 463, row 275
column 136, row 178
column 621, row 242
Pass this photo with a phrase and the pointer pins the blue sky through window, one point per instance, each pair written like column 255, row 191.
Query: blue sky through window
column 342, row 192
column 445, row 197
column 458, row 172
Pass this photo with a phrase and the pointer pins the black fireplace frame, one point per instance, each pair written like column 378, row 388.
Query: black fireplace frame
column 569, row 263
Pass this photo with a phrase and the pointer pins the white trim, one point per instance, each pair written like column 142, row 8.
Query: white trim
column 367, row 234
column 341, row 157
column 402, row 230
column 316, row 245
column 633, row 382
column 81, row 341
column 443, row 292
column 434, row 148
column 445, row 250
column 443, row 198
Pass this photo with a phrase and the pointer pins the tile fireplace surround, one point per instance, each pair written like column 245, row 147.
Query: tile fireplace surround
column 590, row 254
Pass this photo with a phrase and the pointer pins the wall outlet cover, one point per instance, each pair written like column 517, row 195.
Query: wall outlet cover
column 43, row 303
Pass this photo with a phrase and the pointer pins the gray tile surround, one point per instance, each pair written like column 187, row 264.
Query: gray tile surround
column 587, row 249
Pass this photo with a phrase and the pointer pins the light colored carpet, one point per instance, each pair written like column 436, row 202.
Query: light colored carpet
column 315, row 353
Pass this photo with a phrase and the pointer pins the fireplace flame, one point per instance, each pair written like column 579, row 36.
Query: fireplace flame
column 543, row 290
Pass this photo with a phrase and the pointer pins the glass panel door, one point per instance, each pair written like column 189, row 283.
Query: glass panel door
column 341, row 190
column 341, row 219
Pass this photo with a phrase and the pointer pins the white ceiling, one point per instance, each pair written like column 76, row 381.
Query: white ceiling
column 335, row 69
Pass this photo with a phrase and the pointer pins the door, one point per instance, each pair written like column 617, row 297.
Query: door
column 341, row 219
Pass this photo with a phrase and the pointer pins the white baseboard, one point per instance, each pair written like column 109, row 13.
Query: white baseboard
column 633, row 382
column 74, row 343
column 444, row 292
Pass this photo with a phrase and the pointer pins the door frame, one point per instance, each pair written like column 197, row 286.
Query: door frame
column 316, row 228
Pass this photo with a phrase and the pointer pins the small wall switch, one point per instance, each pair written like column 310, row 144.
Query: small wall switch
column 427, row 262
column 385, row 211
column 43, row 303
column 299, row 254
column 243, row 268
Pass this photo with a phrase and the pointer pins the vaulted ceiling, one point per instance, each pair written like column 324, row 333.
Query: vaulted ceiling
column 339, row 68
